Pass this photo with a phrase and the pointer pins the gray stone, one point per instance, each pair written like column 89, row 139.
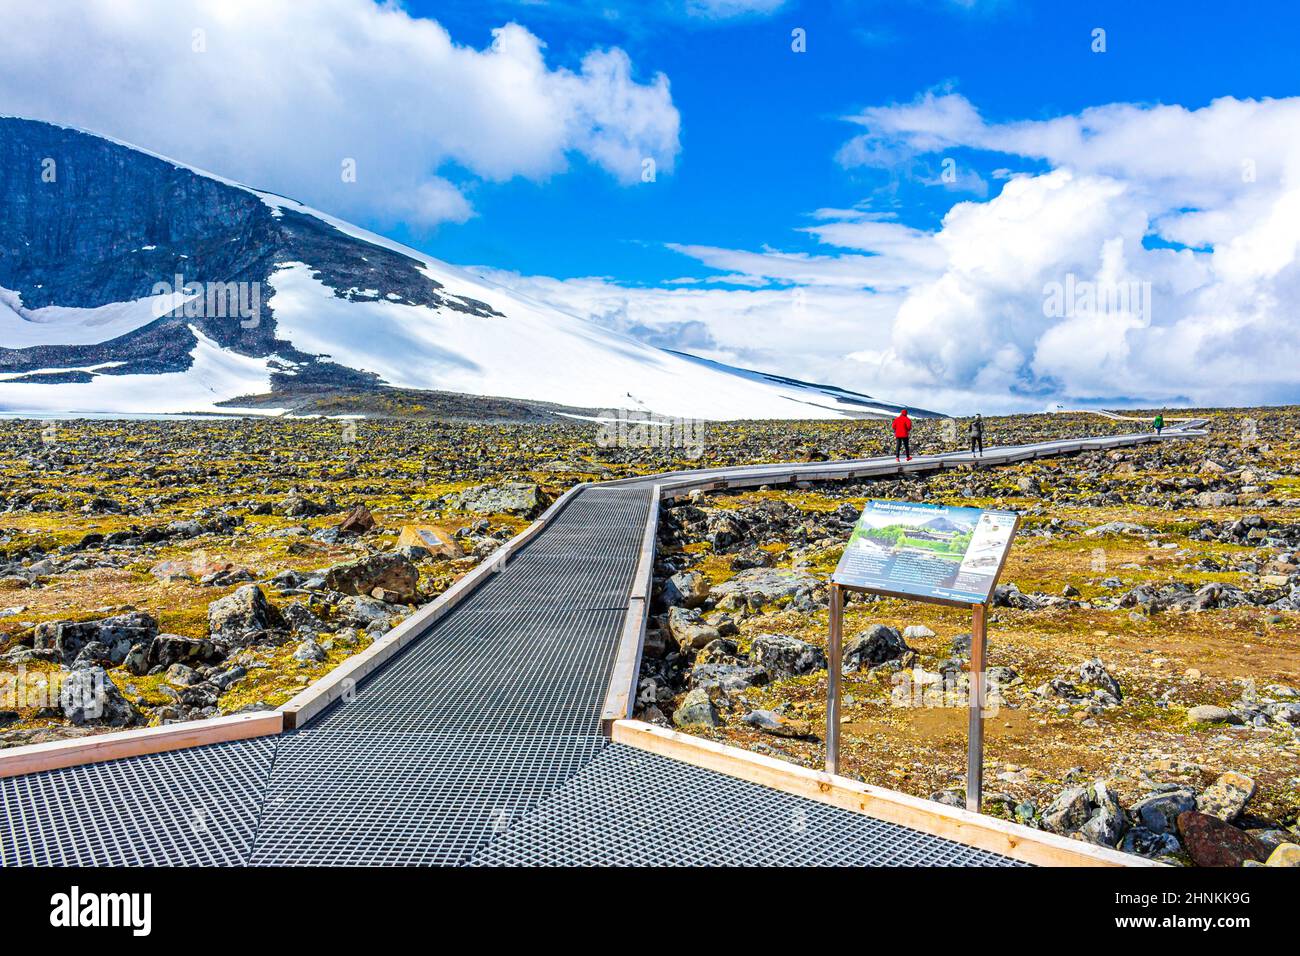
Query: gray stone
column 1117, row 527
column 686, row 589
column 727, row 678
column 89, row 696
column 389, row 573
column 1150, row 844
column 241, row 615
column 168, row 649
column 689, row 630
column 876, row 645
column 1210, row 714
column 118, row 634
column 770, row 722
column 514, row 497
column 756, row 587
column 365, row 613
column 1069, row 811
column 1227, row 797
column 1159, row 812
column 697, row 710
column 309, row 652
column 1093, row 673
column 783, row 656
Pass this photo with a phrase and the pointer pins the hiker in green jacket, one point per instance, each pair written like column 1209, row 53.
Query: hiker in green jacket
column 1159, row 423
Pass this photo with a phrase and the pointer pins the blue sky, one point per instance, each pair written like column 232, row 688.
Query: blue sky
column 802, row 219
column 761, row 125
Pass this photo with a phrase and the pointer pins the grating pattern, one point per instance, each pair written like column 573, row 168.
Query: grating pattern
column 489, row 672
column 185, row 807
column 342, row 799
column 631, row 808
column 573, row 581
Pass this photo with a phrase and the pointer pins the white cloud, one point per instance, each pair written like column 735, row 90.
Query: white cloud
column 1199, row 209
column 281, row 94
column 1223, row 180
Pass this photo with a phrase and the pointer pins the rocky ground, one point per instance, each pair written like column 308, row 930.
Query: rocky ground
column 1144, row 645
column 1144, row 651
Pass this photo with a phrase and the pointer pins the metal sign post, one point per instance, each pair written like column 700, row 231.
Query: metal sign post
column 975, row 728
column 834, row 656
column 977, row 694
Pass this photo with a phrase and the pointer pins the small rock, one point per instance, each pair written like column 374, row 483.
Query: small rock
column 1160, row 811
column 686, row 589
column 1286, row 854
column 771, row 722
column 1210, row 714
column 1227, row 797
column 309, row 652
column 697, row 710
column 357, row 521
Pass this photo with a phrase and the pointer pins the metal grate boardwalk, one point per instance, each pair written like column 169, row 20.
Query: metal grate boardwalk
column 480, row 742
column 632, row 808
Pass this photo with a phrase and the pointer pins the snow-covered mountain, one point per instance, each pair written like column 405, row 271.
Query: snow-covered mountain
column 133, row 284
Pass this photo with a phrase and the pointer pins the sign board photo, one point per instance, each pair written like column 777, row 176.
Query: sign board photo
column 931, row 552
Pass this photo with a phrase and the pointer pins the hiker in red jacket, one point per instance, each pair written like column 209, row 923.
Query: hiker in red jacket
column 902, row 433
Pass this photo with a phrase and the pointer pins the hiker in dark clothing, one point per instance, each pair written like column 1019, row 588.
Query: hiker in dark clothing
column 977, row 436
column 902, row 435
column 1159, row 423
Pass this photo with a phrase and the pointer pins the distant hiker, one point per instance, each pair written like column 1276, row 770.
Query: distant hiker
column 1159, row 423
column 902, row 433
column 977, row 435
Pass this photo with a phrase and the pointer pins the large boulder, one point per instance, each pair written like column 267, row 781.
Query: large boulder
column 1211, row 842
column 119, row 634
column 388, row 573
column 513, row 497
column 877, row 645
column 88, row 696
column 783, row 656
column 241, row 616
column 757, row 587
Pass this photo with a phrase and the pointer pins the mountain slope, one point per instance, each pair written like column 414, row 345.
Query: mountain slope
column 91, row 229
